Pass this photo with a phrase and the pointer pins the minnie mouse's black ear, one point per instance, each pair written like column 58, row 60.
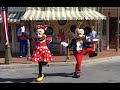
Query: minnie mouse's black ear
column 87, row 30
column 73, row 28
column 49, row 31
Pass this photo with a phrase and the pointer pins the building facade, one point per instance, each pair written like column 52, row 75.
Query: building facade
column 56, row 26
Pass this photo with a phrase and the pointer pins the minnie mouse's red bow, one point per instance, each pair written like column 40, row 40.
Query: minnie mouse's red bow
column 42, row 26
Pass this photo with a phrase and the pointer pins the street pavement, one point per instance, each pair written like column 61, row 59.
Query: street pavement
column 96, row 71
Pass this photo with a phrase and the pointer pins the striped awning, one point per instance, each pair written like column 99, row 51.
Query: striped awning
column 91, row 14
column 14, row 16
column 53, row 13
column 34, row 15
column 62, row 13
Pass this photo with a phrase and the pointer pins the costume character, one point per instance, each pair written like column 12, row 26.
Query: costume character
column 80, row 48
column 41, row 53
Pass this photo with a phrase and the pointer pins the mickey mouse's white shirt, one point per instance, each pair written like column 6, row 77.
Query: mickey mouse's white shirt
column 79, row 45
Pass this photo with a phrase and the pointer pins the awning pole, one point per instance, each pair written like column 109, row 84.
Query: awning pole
column 117, row 49
column 98, row 46
column 101, row 38
column 28, row 43
column 68, row 54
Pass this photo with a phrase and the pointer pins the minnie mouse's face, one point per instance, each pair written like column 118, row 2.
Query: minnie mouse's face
column 40, row 32
column 79, row 33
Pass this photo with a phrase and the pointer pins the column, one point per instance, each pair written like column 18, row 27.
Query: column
column 13, row 37
column 107, row 31
column 117, row 49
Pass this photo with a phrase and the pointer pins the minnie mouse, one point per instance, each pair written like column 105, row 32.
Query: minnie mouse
column 80, row 48
column 41, row 53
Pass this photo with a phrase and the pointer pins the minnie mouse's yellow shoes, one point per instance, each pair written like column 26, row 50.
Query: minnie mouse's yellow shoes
column 39, row 79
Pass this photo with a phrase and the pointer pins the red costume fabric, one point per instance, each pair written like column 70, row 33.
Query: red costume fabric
column 49, row 39
column 79, row 57
column 41, row 52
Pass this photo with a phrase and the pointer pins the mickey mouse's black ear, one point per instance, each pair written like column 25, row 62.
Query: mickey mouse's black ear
column 73, row 28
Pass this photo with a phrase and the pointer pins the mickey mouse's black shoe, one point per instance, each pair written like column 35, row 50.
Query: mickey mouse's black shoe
column 94, row 54
column 76, row 75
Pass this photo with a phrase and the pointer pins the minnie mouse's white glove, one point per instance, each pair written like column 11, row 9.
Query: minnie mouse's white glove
column 64, row 44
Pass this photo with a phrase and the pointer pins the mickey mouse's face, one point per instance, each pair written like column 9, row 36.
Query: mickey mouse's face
column 79, row 33
column 40, row 32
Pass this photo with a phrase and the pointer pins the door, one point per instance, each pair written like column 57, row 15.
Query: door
column 113, row 33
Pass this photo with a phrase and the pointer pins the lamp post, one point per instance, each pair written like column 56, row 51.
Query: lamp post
column 8, row 57
column 68, row 53
column 117, row 48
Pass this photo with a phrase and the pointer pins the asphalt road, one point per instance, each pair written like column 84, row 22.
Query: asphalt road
column 105, row 71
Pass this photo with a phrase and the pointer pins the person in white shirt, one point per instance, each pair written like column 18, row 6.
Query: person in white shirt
column 23, row 34
column 93, row 35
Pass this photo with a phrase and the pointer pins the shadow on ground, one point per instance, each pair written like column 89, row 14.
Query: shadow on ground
column 23, row 80
column 29, row 80
column 59, row 74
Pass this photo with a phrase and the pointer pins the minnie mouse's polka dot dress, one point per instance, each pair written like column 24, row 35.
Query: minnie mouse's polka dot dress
column 41, row 52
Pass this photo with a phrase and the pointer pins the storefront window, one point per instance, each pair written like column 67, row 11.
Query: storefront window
column 17, row 27
column 62, row 22
column 119, row 28
column 10, row 33
column 104, row 28
column 0, row 35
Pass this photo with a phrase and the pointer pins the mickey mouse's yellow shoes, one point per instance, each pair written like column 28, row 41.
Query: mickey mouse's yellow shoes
column 39, row 79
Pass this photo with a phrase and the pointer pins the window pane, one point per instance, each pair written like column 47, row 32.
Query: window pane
column 10, row 33
column 104, row 28
column 0, row 35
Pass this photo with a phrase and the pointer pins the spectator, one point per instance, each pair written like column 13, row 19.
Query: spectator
column 93, row 35
column 62, row 37
column 22, row 34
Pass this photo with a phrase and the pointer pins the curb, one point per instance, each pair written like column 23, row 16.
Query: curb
column 14, row 66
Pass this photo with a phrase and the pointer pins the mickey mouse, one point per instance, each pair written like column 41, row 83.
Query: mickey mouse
column 79, row 42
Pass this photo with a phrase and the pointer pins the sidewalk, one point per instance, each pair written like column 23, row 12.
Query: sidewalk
column 60, row 60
